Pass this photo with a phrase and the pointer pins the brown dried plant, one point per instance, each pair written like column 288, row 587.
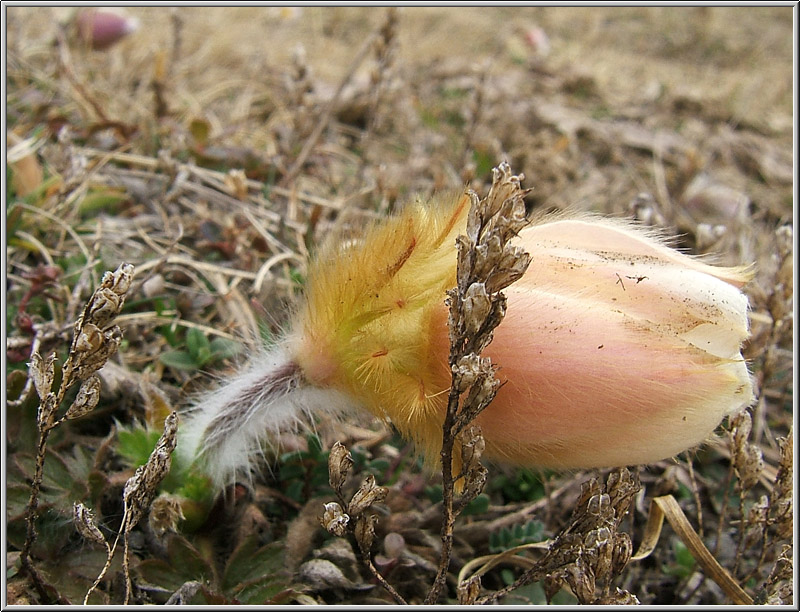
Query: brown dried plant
column 96, row 338
column 138, row 495
column 487, row 264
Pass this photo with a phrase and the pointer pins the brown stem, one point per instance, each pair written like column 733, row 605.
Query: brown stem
column 448, row 494
column 383, row 582
column 33, row 502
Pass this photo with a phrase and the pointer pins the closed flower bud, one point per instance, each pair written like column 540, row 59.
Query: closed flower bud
column 101, row 28
column 614, row 350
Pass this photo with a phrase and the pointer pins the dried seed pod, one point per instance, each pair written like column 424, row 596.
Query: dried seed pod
column 105, row 307
column 339, row 463
column 334, row 519
column 623, row 550
column 42, row 371
column 104, row 345
column 368, row 493
column 86, row 400
column 472, row 449
column 365, row 531
column 84, row 523
column 476, row 307
column 468, row 591
column 89, row 340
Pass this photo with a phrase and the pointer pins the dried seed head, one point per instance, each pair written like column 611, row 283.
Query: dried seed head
column 165, row 514
column 141, row 488
column 107, row 300
column 368, row 493
column 468, row 591
column 782, row 497
column 334, row 519
column 86, row 400
column 339, row 463
column 84, row 523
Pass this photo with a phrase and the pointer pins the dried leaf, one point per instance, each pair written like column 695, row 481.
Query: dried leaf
column 668, row 507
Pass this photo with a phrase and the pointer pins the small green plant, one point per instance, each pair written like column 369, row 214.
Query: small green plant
column 200, row 351
column 251, row 575
column 305, row 472
column 509, row 537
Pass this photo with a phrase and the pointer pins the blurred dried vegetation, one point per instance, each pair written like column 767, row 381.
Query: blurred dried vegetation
column 214, row 148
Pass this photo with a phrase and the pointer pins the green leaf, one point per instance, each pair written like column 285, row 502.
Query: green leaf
column 103, row 200
column 222, row 348
column 255, row 575
column 198, row 345
column 135, row 444
column 192, row 564
column 180, row 360
column 249, row 562
column 162, row 574
column 479, row 505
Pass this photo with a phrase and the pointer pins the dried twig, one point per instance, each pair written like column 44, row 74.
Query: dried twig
column 324, row 120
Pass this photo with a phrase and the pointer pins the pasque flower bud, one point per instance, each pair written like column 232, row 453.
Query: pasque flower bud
column 615, row 349
column 102, row 28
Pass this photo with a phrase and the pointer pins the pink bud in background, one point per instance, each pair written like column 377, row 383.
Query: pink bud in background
column 537, row 39
column 101, row 28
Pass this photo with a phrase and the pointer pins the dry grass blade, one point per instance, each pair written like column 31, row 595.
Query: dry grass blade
column 487, row 562
column 667, row 507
